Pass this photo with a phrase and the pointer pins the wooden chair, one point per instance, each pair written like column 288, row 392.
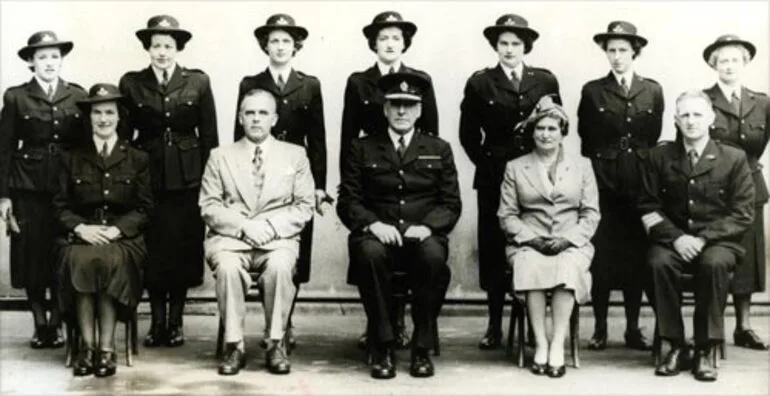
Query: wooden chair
column 687, row 281
column 73, row 339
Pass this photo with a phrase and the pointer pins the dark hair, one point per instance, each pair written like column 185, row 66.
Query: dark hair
column 372, row 39
column 264, row 38
column 636, row 45
column 527, row 40
column 147, row 40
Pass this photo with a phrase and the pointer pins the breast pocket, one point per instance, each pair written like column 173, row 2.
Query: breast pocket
column 428, row 170
column 191, row 159
column 86, row 187
column 716, row 193
column 189, row 108
column 123, row 188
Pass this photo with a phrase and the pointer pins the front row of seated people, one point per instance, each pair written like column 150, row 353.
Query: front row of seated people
column 399, row 197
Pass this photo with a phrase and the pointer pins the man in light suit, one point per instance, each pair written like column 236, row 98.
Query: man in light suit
column 257, row 194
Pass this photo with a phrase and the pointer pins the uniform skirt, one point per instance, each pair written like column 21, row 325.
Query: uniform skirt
column 32, row 264
column 175, row 242
column 115, row 269
column 749, row 276
column 533, row 270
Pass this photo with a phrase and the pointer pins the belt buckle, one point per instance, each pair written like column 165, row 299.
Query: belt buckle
column 625, row 143
column 167, row 136
column 52, row 148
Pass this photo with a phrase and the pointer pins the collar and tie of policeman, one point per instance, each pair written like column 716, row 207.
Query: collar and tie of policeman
column 400, row 142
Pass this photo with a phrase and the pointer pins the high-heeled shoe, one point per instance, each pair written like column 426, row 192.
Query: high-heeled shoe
column 55, row 338
column 38, row 340
column 538, row 368
column 84, row 364
column 556, row 372
column 491, row 340
column 107, row 365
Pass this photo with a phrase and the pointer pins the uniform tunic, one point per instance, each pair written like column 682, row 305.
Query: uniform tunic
column 613, row 127
column 490, row 111
column 34, row 130
column 749, row 131
column 301, row 122
column 177, row 127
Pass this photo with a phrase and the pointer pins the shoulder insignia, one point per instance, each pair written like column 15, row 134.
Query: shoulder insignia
column 541, row 70
column 665, row 143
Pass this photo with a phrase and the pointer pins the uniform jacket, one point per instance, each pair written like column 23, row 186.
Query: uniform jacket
column 177, row 125
column 229, row 198
column 33, row 130
column 571, row 210
column 112, row 191
column 747, row 130
column 714, row 201
column 490, row 111
column 300, row 116
column 611, row 123
column 363, row 115
column 420, row 189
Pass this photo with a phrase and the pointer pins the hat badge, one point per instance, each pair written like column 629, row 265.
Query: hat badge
column 164, row 23
column 101, row 92
column 281, row 21
column 509, row 22
column 618, row 29
column 404, row 86
column 46, row 38
column 391, row 18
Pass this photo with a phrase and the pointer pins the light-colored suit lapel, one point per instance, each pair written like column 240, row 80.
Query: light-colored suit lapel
column 239, row 163
column 532, row 174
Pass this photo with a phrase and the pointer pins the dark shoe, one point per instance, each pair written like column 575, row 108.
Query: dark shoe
column 361, row 342
column 383, row 366
column 55, row 338
column 556, row 372
column 277, row 359
column 155, row 337
column 672, row 364
column 175, row 337
column 39, row 338
column 421, row 366
column 538, row 369
column 491, row 340
column 598, row 341
column 747, row 338
column 703, row 369
column 107, row 365
column 84, row 364
column 232, row 363
column 635, row 339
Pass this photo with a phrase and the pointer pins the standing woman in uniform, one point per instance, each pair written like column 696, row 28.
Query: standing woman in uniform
column 495, row 102
column 742, row 119
column 174, row 120
column 39, row 119
column 618, row 115
column 389, row 37
column 300, row 112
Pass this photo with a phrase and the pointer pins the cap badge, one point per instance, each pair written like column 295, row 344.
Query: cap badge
column 46, row 38
column 391, row 18
column 509, row 22
column 618, row 29
column 101, row 92
column 281, row 21
column 404, row 86
column 164, row 23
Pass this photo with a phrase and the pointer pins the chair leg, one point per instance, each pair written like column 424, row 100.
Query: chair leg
column 220, row 338
column 522, row 318
column 511, row 329
column 574, row 335
column 69, row 332
column 722, row 353
column 134, row 333
column 287, row 332
column 129, row 355
column 656, row 346
column 436, row 342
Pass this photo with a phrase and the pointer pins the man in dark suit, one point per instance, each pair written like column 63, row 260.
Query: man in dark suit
column 400, row 198
column 697, row 201
column 496, row 100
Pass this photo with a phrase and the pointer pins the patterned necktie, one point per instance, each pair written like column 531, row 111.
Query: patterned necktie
column 401, row 147
column 256, row 170
column 735, row 102
column 693, row 156
column 515, row 81
column 624, row 86
column 281, row 84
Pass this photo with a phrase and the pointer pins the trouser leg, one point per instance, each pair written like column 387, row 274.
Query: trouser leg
column 712, row 281
column 277, row 285
column 231, row 283
column 373, row 262
column 429, row 276
column 666, row 267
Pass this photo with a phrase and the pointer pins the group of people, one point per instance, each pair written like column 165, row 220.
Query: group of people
column 109, row 192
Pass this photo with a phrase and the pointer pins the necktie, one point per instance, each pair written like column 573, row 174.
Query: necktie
column 401, row 147
column 515, row 81
column 624, row 86
column 50, row 91
column 392, row 70
column 164, row 83
column 280, row 82
column 693, row 156
column 105, row 151
column 735, row 102
column 256, row 170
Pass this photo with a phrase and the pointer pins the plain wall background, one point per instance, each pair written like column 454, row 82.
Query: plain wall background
column 449, row 45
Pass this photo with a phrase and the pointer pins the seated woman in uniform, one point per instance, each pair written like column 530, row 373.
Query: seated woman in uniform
column 549, row 210
column 102, row 203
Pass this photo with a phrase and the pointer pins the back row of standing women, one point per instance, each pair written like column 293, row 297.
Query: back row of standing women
column 173, row 119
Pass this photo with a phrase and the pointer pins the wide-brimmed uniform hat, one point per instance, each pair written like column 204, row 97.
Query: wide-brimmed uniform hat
column 389, row 19
column 44, row 39
column 281, row 22
column 100, row 92
column 729, row 39
column 621, row 30
column 511, row 23
column 403, row 86
column 164, row 24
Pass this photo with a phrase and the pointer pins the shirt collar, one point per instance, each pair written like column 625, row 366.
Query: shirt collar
column 385, row 69
column 727, row 91
column 99, row 142
column 159, row 72
column 699, row 147
column 628, row 75
column 285, row 74
column 395, row 136
column 44, row 85
column 265, row 145
column 519, row 70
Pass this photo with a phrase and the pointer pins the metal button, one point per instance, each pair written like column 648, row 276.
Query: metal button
column 366, row 102
column 400, row 221
column 692, row 181
column 521, row 113
column 26, row 156
column 743, row 136
column 691, row 202
column 400, row 171
column 54, row 108
column 168, row 129
column 400, row 186
column 689, row 221
column 106, row 207
column 401, row 202
column 430, row 165
column 743, row 121
column 166, row 99
column 521, row 96
column 285, row 101
column 56, row 122
column 628, row 119
column 55, row 136
column 628, row 104
column 106, row 192
column 491, row 102
column 104, row 221
column 630, row 150
column 107, row 175
column 168, row 114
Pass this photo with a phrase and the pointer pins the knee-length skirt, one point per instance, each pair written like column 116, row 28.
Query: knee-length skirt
column 533, row 270
column 31, row 257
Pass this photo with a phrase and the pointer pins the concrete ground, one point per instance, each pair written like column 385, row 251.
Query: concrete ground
column 328, row 362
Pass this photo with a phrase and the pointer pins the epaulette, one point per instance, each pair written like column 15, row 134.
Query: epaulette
column 756, row 93
column 650, row 80
column 193, row 70
column 665, row 143
column 76, row 85
column 727, row 143
column 540, row 69
column 480, row 72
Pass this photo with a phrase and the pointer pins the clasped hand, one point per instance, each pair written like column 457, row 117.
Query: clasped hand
column 390, row 235
column 689, row 247
column 258, row 232
column 549, row 245
column 97, row 234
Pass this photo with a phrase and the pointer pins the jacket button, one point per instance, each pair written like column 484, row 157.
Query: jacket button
column 692, row 181
column 691, row 202
column 104, row 221
column 491, row 102
column 743, row 136
column 401, row 202
column 168, row 114
column 366, row 102
column 54, row 108
column 628, row 119
column 743, row 121
column 56, row 122
column 400, row 171
column 168, row 129
column 107, row 175
column 105, row 207
column 400, row 221
column 106, row 192
column 400, row 186
column 55, row 136
column 285, row 101
column 26, row 156
column 630, row 150
column 488, row 153
column 628, row 104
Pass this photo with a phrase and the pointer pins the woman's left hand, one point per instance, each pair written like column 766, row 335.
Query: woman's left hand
column 557, row 245
column 112, row 233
